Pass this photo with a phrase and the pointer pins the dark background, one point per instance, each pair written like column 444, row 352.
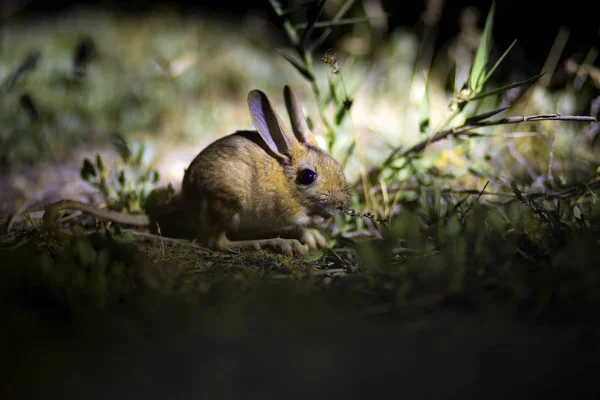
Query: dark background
column 534, row 23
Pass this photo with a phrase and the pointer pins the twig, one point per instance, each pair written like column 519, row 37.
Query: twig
column 447, row 190
column 419, row 147
column 590, row 188
column 478, row 197
column 502, row 121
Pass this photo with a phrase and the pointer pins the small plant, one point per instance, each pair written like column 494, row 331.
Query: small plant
column 305, row 44
column 405, row 174
column 128, row 184
column 409, row 166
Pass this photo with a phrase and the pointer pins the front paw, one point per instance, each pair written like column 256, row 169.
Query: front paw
column 288, row 247
column 312, row 238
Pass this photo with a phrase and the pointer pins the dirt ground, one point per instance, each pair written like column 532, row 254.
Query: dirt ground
column 260, row 325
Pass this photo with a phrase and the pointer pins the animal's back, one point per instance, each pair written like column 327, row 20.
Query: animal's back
column 232, row 174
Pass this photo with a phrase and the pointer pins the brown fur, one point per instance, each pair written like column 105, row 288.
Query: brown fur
column 245, row 186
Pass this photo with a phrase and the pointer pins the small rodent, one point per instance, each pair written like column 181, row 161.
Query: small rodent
column 255, row 189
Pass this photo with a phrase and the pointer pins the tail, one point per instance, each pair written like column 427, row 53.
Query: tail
column 114, row 216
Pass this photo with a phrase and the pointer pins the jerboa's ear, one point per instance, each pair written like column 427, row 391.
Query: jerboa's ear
column 297, row 118
column 270, row 125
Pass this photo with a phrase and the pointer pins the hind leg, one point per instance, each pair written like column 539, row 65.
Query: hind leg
column 289, row 247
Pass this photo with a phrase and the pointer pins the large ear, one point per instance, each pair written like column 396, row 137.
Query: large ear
column 269, row 125
column 297, row 118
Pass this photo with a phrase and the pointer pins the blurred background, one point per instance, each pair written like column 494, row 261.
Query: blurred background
column 174, row 76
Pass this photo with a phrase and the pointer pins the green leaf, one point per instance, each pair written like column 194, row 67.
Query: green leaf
column 121, row 178
column 493, row 69
column 277, row 7
column 88, row 170
column 481, row 56
column 315, row 255
column 484, row 116
column 340, row 14
column 507, row 88
column 298, row 65
column 311, row 24
column 348, row 154
column 153, row 176
column 311, row 124
column 141, row 148
column 299, row 7
column 29, row 64
column 343, row 10
column 424, row 111
column 516, row 190
column 99, row 163
column 122, row 146
column 332, row 91
column 342, row 111
column 348, row 21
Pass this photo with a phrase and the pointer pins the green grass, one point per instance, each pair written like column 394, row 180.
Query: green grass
column 485, row 224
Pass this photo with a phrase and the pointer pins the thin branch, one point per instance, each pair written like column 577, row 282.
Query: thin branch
column 478, row 197
column 449, row 190
column 419, row 147
column 590, row 188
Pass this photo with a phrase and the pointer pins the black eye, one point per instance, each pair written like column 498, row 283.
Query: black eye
column 307, row 177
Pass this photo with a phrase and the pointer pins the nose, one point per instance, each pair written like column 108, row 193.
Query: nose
column 341, row 198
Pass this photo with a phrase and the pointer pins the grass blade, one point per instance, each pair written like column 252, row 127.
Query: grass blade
column 340, row 14
column 341, row 113
column 507, row 88
column 348, row 21
column 481, row 117
column 493, row 69
column 424, row 111
column 312, row 22
column 276, row 5
column 292, row 9
column 287, row 25
column 332, row 92
column 481, row 56
column 298, row 65
column 29, row 64
column 348, row 154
